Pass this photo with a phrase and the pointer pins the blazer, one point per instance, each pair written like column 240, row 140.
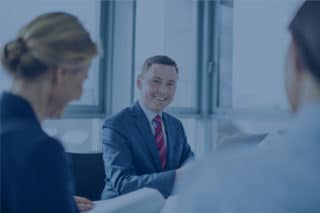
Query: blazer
column 131, row 157
column 34, row 170
column 282, row 176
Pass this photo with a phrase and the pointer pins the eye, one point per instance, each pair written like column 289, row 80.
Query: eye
column 171, row 84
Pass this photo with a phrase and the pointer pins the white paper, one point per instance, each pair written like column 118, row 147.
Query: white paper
column 145, row 200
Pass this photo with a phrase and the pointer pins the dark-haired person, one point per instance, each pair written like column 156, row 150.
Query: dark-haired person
column 48, row 62
column 143, row 146
column 283, row 176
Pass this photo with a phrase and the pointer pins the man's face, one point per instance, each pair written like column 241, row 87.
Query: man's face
column 157, row 86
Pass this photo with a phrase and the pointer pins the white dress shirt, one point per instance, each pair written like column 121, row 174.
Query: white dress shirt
column 151, row 115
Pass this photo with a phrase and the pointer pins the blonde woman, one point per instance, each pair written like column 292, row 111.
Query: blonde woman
column 48, row 62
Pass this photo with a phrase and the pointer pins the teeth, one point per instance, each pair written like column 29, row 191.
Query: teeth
column 160, row 99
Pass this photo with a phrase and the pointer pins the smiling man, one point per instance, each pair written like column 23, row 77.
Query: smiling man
column 143, row 145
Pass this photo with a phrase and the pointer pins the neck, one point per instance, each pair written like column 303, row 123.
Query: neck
column 145, row 107
column 35, row 93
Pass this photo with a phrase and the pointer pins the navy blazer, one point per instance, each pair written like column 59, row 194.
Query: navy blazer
column 34, row 172
column 131, row 157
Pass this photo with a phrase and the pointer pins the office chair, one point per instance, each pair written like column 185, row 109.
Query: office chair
column 88, row 174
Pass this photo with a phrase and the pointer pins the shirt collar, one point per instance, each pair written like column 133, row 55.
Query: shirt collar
column 150, row 115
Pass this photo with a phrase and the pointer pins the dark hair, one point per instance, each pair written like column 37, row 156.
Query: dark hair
column 48, row 41
column 305, row 30
column 158, row 59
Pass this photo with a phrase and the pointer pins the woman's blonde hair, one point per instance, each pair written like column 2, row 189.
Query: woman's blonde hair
column 49, row 41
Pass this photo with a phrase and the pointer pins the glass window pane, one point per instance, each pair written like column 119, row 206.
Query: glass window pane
column 259, row 47
column 25, row 11
column 170, row 27
column 225, row 22
column 77, row 135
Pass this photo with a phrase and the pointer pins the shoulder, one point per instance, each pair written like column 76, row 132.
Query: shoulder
column 25, row 134
column 48, row 152
column 220, row 178
column 170, row 117
column 172, row 120
column 119, row 118
column 49, row 145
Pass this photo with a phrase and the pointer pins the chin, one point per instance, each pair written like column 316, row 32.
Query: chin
column 55, row 114
column 159, row 109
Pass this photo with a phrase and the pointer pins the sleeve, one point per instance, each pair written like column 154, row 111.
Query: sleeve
column 120, row 168
column 47, row 182
column 187, row 154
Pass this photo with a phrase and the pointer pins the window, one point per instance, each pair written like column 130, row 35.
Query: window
column 224, row 31
column 170, row 27
column 176, row 28
column 259, row 50
column 83, row 133
column 253, row 41
column 77, row 135
column 20, row 13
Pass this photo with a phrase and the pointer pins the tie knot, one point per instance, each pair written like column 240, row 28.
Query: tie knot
column 157, row 119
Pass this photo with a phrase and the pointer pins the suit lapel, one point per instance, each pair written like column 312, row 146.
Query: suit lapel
column 146, row 135
column 170, row 140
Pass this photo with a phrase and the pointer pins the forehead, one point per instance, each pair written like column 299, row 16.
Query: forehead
column 162, row 71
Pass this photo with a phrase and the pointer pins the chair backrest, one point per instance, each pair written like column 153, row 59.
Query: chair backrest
column 88, row 173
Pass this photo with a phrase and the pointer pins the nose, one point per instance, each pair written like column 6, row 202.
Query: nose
column 162, row 90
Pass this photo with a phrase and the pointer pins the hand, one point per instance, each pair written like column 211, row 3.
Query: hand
column 185, row 169
column 180, row 172
column 83, row 203
column 183, row 174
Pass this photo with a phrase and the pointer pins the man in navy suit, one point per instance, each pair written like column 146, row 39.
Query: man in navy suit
column 142, row 145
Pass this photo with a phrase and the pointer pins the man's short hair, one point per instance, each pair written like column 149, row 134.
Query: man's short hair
column 158, row 59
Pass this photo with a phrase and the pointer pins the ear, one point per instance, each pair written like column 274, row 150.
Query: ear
column 139, row 81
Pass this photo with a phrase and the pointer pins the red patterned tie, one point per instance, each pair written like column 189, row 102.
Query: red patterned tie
column 159, row 137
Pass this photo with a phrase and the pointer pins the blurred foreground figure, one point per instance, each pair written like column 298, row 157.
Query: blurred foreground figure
column 283, row 176
column 48, row 62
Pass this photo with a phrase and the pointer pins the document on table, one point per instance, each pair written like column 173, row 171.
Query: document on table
column 145, row 200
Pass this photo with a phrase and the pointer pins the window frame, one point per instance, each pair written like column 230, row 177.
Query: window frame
column 103, row 108
column 185, row 112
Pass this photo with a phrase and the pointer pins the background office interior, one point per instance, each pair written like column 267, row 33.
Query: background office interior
column 230, row 55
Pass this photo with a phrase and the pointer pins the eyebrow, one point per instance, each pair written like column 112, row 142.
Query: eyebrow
column 159, row 78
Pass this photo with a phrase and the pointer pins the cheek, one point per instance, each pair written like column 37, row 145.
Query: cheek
column 172, row 92
column 80, row 88
column 149, row 91
column 77, row 89
column 291, row 86
column 288, row 69
column 287, row 81
column 56, row 104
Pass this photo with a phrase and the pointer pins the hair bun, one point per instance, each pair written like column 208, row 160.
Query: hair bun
column 12, row 53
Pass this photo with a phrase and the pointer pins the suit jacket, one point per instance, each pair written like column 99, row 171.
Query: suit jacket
column 34, row 172
column 131, row 157
column 282, row 176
